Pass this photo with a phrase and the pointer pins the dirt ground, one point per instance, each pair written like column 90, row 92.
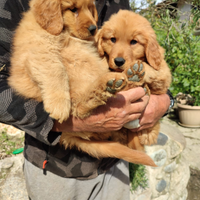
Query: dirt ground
column 194, row 185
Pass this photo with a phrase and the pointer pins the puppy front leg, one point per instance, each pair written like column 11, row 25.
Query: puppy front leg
column 98, row 93
column 52, row 80
column 157, row 80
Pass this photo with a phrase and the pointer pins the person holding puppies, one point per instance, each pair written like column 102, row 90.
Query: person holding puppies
column 52, row 172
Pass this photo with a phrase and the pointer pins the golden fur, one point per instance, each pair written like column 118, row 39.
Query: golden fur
column 37, row 70
column 59, row 67
column 130, row 37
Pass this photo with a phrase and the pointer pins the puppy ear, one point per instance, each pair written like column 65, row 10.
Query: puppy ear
column 95, row 14
column 98, row 39
column 153, row 54
column 48, row 15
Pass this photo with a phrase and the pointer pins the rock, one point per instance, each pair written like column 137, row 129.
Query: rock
column 12, row 182
column 162, row 139
column 161, row 185
column 159, row 157
column 170, row 168
column 7, row 164
column 13, row 189
column 15, row 135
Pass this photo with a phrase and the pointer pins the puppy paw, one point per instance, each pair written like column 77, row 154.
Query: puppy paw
column 136, row 72
column 116, row 84
column 147, row 137
column 58, row 109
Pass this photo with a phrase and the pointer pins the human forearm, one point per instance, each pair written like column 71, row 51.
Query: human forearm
column 125, row 107
column 27, row 115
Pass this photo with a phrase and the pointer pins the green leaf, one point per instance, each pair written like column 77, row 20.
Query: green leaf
column 186, row 82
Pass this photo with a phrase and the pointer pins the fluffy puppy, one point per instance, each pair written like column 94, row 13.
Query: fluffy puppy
column 125, row 39
column 37, row 70
column 91, row 84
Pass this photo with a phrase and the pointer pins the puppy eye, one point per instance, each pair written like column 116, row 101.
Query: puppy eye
column 113, row 40
column 74, row 10
column 133, row 42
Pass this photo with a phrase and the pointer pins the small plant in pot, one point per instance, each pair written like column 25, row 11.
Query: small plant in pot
column 186, row 78
column 189, row 115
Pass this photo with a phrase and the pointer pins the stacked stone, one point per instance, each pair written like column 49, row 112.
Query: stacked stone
column 169, row 180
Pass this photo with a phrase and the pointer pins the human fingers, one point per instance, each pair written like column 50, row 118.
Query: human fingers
column 157, row 106
column 140, row 105
column 120, row 110
column 136, row 110
column 134, row 94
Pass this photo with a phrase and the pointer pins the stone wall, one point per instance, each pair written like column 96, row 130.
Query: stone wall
column 169, row 180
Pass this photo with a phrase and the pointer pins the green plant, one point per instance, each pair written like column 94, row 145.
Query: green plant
column 181, row 45
column 182, row 56
column 137, row 176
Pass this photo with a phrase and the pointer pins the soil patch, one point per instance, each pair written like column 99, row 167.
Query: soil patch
column 193, row 186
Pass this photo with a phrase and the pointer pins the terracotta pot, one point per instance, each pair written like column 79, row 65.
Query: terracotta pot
column 189, row 116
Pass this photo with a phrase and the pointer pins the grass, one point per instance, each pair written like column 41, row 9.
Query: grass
column 7, row 146
column 137, row 176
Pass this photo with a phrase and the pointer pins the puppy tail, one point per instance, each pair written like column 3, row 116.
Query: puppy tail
column 111, row 149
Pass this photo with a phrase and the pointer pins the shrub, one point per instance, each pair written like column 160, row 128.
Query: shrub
column 181, row 45
column 182, row 55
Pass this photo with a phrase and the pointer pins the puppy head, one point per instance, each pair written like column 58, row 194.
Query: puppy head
column 128, row 37
column 78, row 17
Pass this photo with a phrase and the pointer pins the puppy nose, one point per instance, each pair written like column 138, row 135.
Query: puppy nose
column 92, row 29
column 119, row 61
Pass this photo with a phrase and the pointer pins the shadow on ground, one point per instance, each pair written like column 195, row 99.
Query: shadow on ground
column 193, row 186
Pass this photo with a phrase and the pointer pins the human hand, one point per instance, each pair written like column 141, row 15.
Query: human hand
column 156, row 108
column 126, row 106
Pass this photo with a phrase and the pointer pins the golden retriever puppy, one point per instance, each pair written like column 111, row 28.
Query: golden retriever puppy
column 125, row 39
column 54, row 60
column 37, row 70
column 91, row 84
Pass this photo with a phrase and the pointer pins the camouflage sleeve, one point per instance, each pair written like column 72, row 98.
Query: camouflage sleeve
column 27, row 115
column 106, row 8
